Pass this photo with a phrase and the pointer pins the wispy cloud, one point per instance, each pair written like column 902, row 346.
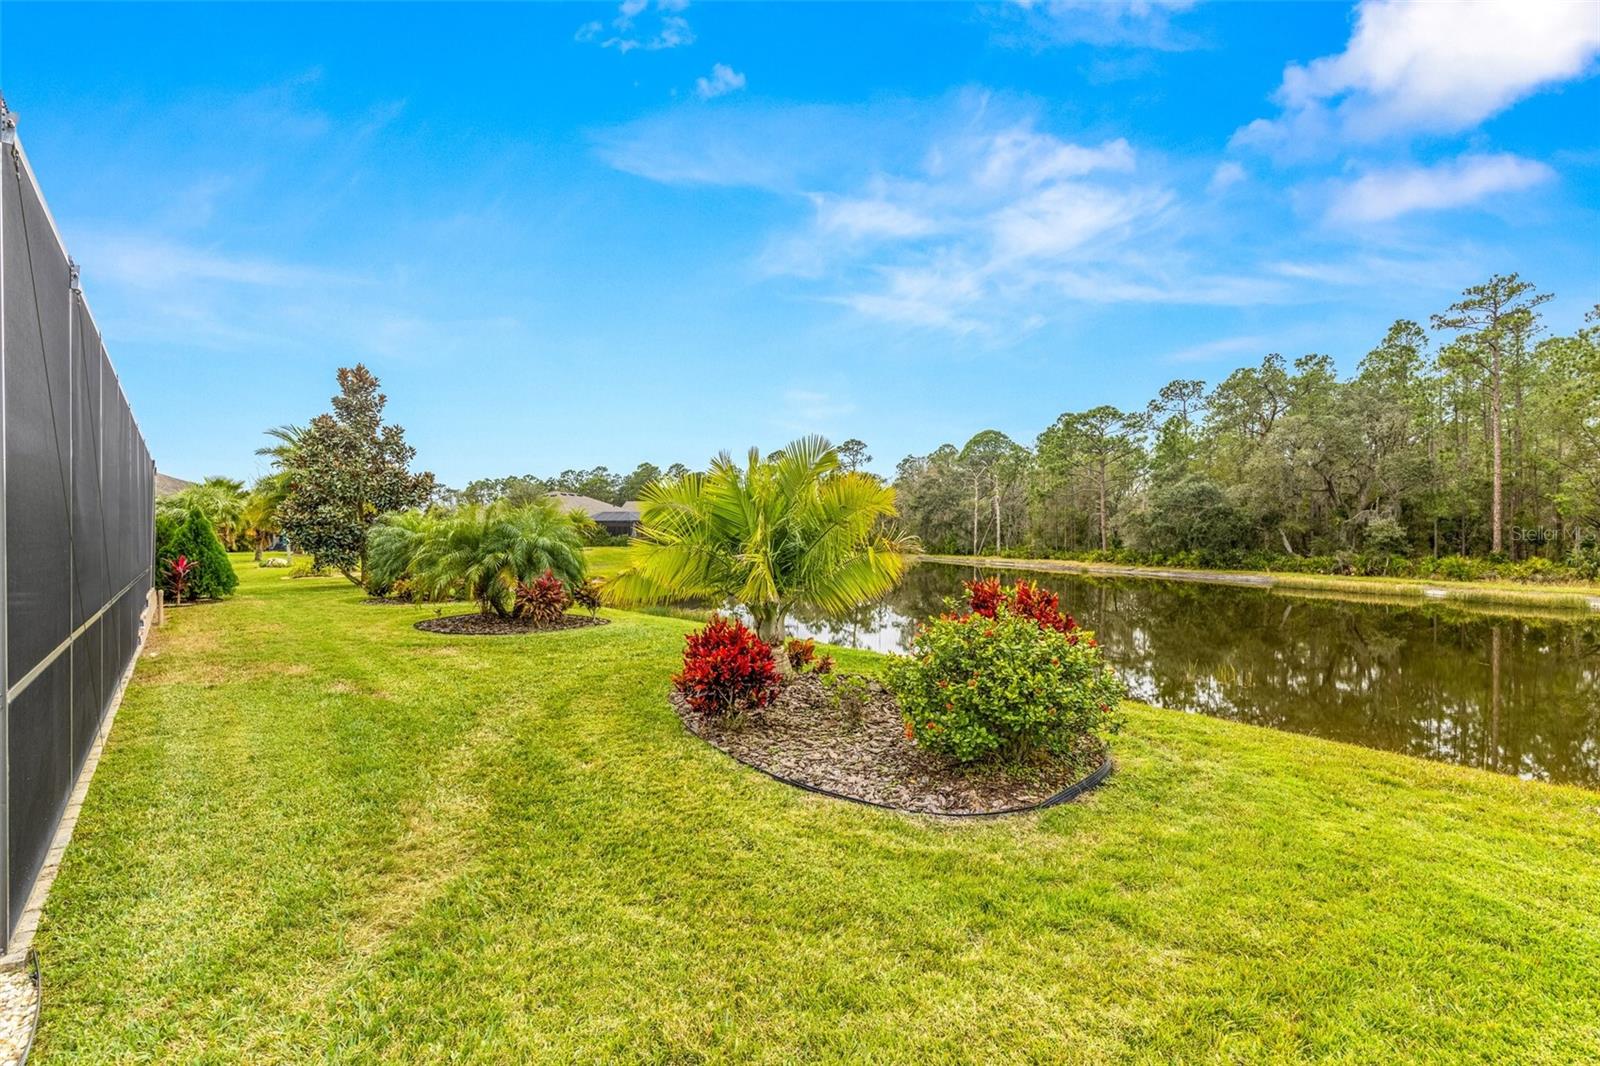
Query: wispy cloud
column 1127, row 23
column 723, row 80
column 1224, row 347
column 1383, row 195
column 1427, row 67
column 967, row 222
column 809, row 410
column 639, row 25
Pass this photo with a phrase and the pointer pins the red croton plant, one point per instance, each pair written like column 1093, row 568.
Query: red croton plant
column 1024, row 600
column 726, row 668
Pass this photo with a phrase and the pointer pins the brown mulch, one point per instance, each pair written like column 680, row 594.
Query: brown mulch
column 492, row 625
column 861, row 752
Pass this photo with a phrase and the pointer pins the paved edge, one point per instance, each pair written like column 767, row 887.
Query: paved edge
column 16, row 958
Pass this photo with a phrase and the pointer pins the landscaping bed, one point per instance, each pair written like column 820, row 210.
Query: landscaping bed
column 856, row 748
column 477, row 624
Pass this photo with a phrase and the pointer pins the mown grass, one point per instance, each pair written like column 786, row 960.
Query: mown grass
column 321, row 835
column 1575, row 596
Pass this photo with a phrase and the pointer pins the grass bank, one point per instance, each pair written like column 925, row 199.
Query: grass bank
column 321, row 835
column 1483, row 593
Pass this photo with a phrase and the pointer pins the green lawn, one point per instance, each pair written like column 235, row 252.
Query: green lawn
column 321, row 835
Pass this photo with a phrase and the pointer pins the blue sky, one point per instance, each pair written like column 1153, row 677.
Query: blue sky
column 569, row 235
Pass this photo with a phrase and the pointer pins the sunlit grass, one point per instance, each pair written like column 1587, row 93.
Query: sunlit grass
column 321, row 835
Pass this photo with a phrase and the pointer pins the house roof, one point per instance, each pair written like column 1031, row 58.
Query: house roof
column 616, row 516
column 572, row 501
column 167, row 485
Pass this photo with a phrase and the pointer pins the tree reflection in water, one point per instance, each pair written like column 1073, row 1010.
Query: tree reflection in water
column 1519, row 695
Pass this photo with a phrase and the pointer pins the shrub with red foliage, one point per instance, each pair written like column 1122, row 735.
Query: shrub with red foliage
column 803, row 657
column 1024, row 599
column 726, row 668
column 543, row 600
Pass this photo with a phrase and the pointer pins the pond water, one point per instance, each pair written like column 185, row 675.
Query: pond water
column 1515, row 694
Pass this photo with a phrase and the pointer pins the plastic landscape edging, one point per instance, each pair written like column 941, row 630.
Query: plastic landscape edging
column 1093, row 779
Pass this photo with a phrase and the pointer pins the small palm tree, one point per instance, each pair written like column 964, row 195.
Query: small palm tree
column 788, row 531
column 392, row 547
column 486, row 551
column 259, row 517
column 222, row 501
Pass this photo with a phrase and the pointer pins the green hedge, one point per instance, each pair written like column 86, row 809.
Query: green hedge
column 190, row 534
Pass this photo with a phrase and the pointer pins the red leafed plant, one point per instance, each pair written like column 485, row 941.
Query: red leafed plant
column 726, row 669
column 803, row 657
column 1024, row 599
column 182, row 570
column 543, row 600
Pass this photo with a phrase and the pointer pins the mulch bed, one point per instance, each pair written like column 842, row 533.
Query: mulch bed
column 492, row 625
column 805, row 737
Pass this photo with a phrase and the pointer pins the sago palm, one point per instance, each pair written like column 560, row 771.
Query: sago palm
column 485, row 551
column 791, row 530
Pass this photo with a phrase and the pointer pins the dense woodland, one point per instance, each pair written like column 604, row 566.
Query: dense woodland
column 1478, row 435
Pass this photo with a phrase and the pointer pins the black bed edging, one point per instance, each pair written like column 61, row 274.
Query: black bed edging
column 1093, row 779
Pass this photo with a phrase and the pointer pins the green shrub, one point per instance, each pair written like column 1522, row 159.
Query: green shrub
column 190, row 534
column 1457, row 568
column 586, row 594
column 1585, row 561
column 306, row 566
column 976, row 687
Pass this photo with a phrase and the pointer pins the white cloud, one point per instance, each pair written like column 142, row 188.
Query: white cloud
column 667, row 29
column 971, row 218
column 808, row 410
column 724, row 79
column 1129, row 23
column 1429, row 67
column 1210, row 350
column 1381, row 195
column 1226, row 176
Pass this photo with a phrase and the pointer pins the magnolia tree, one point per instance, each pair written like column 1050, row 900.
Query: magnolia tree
column 346, row 469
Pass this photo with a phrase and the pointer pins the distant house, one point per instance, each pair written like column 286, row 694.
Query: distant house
column 617, row 521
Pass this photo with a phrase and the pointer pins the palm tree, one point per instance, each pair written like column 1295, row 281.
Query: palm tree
column 260, row 514
column 221, row 499
column 392, row 547
column 486, row 551
column 288, row 437
column 788, row 531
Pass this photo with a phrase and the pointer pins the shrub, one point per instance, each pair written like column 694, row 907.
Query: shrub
column 587, row 595
column 485, row 553
column 976, row 687
column 1585, row 559
column 726, row 669
column 543, row 600
column 189, row 534
column 274, row 564
column 1024, row 599
column 803, row 657
column 306, row 566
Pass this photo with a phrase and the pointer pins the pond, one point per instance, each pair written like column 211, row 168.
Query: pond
column 1518, row 694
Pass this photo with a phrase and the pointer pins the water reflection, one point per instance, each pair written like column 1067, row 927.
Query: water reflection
column 1512, row 694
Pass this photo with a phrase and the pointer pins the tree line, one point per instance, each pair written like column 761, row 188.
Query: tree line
column 1478, row 435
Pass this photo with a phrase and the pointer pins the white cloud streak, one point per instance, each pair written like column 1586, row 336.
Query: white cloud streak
column 1383, row 195
column 724, row 79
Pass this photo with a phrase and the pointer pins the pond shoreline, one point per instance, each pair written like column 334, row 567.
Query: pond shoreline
column 1479, row 594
